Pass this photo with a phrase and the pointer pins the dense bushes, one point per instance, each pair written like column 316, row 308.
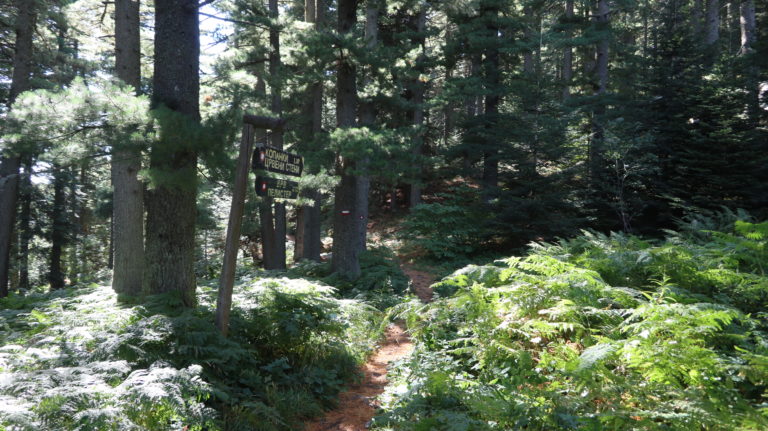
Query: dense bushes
column 452, row 229
column 75, row 360
column 595, row 333
column 381, row 282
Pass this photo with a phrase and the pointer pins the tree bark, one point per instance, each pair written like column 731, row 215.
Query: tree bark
column 367, row 119
column 568, row 53
column 10, row 161
column 417, row 116
column 171, row 204
column 449, row 112
column 128, row 191
column 22, row 58
column 752, row 75
column 473, row 108
column 712, row 22
column 747, row 21
column 74, row 232
column 308, row 217
column 346, row 234
column 529, row 34
column 602, row 20
column 266, row 219
column 310, row 11
column 9, row 186
column 58, row 218
column 227, row 280
column 531, row 95
column 697, row 17
column 733, row 25
column 25, row 225
column 277, row 251
column 490, row 177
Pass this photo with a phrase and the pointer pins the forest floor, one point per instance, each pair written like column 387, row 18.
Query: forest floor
column 420, row 281
column 358, row 404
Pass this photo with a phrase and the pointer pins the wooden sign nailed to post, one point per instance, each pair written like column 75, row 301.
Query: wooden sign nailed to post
column 279, row 161
column 275, row 188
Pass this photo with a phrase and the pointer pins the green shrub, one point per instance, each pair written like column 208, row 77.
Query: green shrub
column 600, row 332
column 76, row 360
column 381, row 282
column 449, row 230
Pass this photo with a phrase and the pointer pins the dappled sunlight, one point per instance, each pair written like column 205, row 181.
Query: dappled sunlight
column 77, row 358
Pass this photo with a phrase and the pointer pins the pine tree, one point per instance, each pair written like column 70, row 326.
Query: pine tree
column 128, row 195
column 308, row 217
column 351, row 199
column 171, row 202
column 273, row 225
column 10, row 160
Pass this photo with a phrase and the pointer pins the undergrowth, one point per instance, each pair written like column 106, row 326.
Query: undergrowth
column 449, row 230
column 381, row 283
column 77, row 360
column 600, row 332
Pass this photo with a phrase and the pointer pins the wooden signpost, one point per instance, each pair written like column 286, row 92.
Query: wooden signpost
column 273, row 160
column 274, row 188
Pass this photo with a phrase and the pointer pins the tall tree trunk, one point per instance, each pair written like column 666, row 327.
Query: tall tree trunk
column 472, row 107
column 84, row 217
column 74, row 231
column 712, row 23
column 529, row 34
column 602, row 18
column 367, row 119
column 346, row 240
column 266, row 219
column 417, row 118
column 747, row 21
column 9, row 185
column 531, row 94
column 449, row 112
column 25, row 224
column 308, row 217
column 171, row 204
column 9, row 160
column 733, row 26
column 490, row 178
column 58, row 217
column 277, row 251
column 748, row 39
column 568, row 52
column 697, row 17
column 128, row 191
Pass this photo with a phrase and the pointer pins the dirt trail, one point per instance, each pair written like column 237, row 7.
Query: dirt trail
column 420, row 282
column 357, row 404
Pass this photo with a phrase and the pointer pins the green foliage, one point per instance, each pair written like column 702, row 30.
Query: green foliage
column 381, row 282
column 452, row 229
column 75, row 360
column 598, row 332
column 77, row 119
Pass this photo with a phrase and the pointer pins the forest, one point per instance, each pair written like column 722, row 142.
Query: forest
column 319, row 215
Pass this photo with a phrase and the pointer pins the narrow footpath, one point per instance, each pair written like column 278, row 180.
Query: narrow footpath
column 358, row 404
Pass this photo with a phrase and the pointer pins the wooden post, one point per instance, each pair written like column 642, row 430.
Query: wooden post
column 227, row 279
column 264, row 122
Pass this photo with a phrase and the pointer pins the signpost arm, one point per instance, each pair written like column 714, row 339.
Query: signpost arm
column 264, row 122
column 227, row 280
